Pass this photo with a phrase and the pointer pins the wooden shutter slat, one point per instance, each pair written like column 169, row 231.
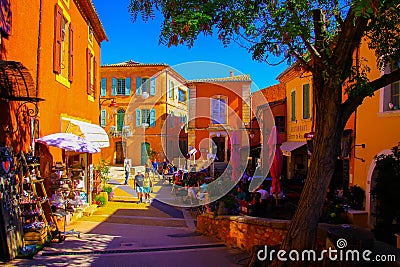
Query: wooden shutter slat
column 71, row 53
column 57, row 40
column 94, row 87
column 88, row 70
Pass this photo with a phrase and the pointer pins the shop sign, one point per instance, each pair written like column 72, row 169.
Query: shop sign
column 309, row 135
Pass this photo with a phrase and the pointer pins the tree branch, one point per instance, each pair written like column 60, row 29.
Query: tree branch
column 351, row 104
column 350, row 36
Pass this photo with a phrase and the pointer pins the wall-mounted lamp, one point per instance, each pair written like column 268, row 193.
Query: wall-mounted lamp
column 112, row 104
column 362, row 146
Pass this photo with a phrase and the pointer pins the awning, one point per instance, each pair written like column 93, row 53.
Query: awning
column 16, row 82
column 289, row 146
column 91, row 132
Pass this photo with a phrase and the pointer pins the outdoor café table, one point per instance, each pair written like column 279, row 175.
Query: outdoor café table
column 170, row 177
column 356, row 237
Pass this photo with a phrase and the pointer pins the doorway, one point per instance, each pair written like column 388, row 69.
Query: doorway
column 219, row 148
column 119, row 151
column 145, row 148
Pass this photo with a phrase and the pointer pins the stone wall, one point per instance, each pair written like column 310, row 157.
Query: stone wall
column 243, row 232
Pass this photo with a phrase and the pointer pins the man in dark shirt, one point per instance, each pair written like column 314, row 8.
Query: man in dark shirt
column 138, row 185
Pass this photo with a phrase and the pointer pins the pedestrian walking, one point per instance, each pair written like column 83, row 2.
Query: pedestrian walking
column 127, row 169
column 155, row 169
column 164, row 168
column 147, row 185
column 138, row 185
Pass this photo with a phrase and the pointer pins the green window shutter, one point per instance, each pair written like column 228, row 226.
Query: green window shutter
column 293, row 106
column 103, row 118
column 114, row 86
column 153, row 86
column 153, row 118
column 128, row 86
column 103, row 91
column 138, row 85
column 306, row 101
column 138, row 118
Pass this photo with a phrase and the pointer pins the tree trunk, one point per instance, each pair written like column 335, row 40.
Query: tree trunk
column 329, row 128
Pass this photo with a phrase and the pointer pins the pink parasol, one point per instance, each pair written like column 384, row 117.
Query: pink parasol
column 235, row 156
column 274, row 144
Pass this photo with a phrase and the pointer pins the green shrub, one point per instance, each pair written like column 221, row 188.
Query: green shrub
column 100, row 200
column 107, row 189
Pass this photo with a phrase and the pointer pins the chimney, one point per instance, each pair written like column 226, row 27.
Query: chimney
column 231, row 74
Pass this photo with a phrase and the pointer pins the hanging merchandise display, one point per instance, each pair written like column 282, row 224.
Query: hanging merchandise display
column 26, row 218
column 10, row 220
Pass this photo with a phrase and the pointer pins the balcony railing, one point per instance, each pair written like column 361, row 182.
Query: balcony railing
column 126, row 132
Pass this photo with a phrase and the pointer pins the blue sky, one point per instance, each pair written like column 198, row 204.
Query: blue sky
column 139, row 41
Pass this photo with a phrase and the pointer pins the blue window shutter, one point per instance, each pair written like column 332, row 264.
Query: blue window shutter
column 138, row 118
column 128, row 86
column 138, row 84
column 114, row 86
column 153, row 118
column 306, row 101
column 153, row 86
column 103, row 118
column 103, row 87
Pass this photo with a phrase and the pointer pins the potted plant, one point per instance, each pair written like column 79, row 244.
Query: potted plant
column 100, row 200
column 104, row 169
column 109, row 190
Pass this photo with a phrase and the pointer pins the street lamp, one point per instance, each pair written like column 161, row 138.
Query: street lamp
column 104, row 99
column 113, row 104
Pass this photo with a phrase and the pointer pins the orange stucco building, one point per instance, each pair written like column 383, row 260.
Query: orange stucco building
column 148, row 114
column 19, row 43
column 300, row 129
column 377, row 127
column 218, row 107
column 69, row 62
column 58, row 45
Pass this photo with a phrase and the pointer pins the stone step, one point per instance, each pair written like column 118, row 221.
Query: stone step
column 88, row 211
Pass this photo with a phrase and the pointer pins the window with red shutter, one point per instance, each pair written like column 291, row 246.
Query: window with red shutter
column 57, row 40
column 94, row 76
column 71, row 53
column 89, row 71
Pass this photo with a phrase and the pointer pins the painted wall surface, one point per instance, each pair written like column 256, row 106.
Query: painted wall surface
column 295, row 80
column 20, row 46
column 299, row 126
column 202, row 129
column 61, row 100
column 378, row 129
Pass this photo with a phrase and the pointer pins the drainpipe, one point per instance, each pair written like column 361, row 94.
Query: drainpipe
column 166, row 113
column 39, row 47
